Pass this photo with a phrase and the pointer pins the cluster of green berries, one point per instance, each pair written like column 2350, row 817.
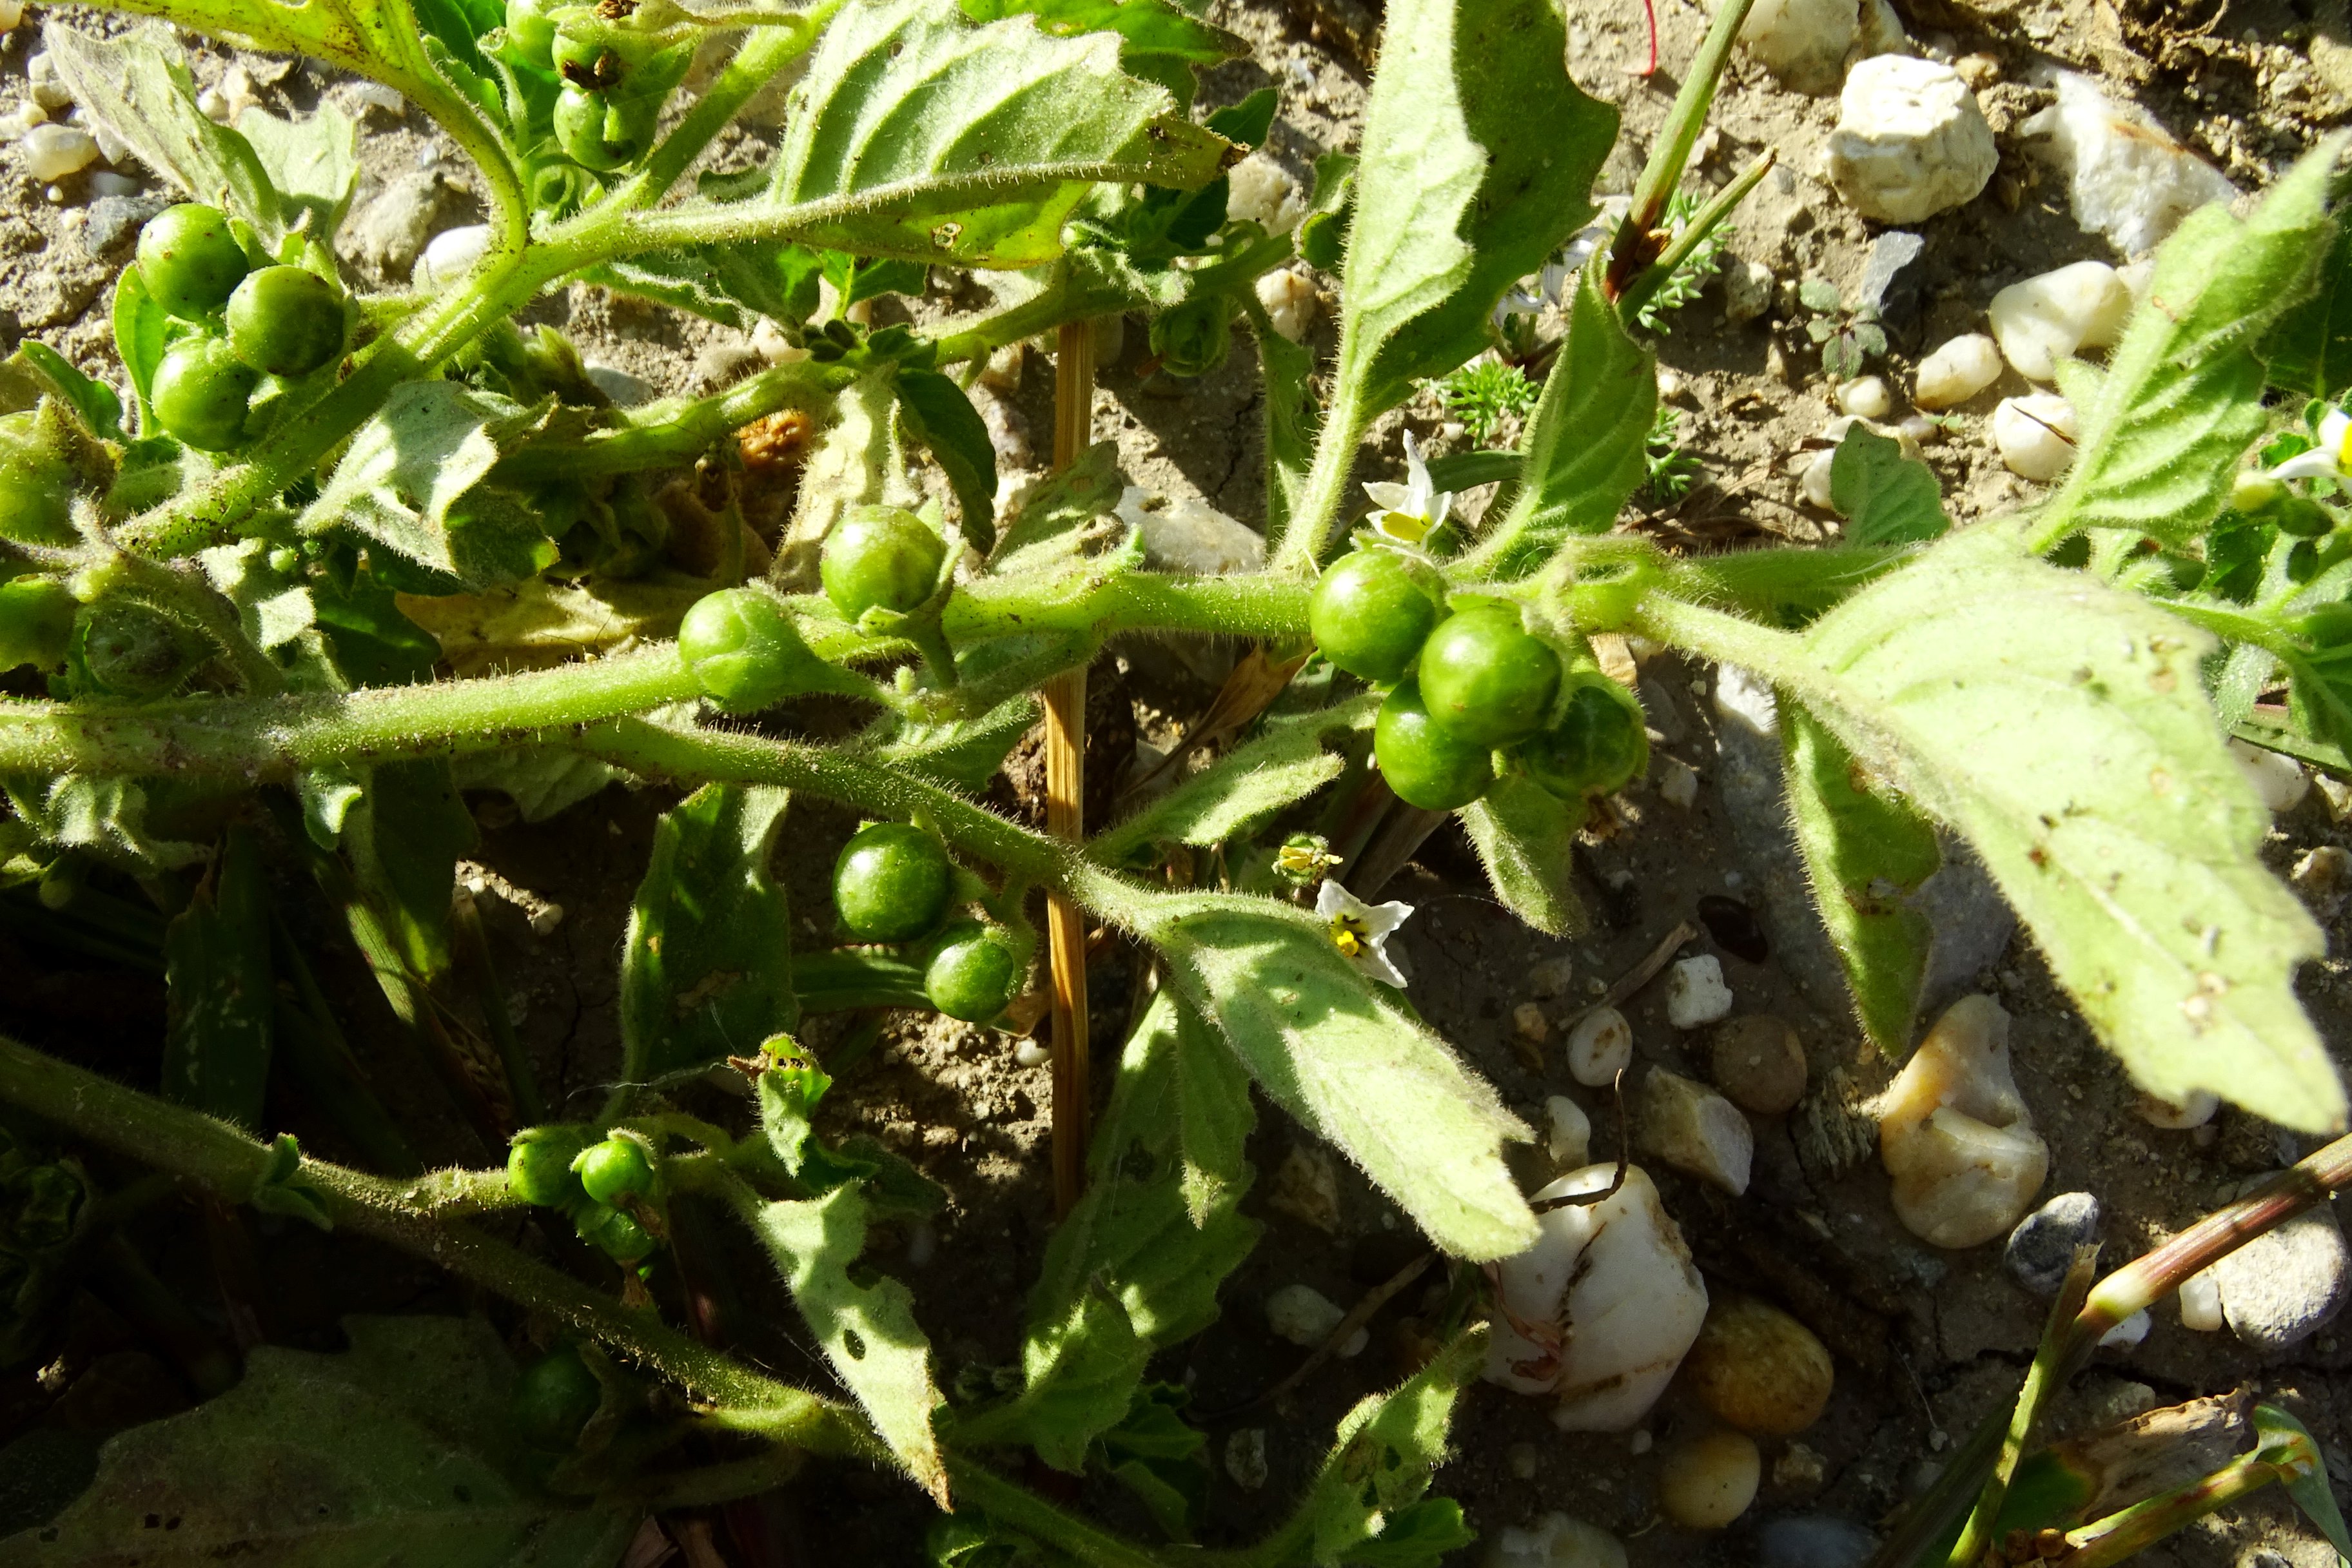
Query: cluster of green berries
column 1469, row 686
column 617, row 62
column 598, row 1183
column 894, row 883
column 250, row 322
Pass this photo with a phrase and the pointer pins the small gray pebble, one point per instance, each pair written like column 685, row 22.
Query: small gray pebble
column 2283, row 1287
column 113, row 220
column 2042, row 1248
column 1814, row 1541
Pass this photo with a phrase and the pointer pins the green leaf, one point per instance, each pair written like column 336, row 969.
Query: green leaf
column 1165, row 1462
column 1525, row 834
column 1884, row 497
column 372, row 643
column 1584, row 446
column 142, row 330
column 1290, row 762
column 733, row 283
column 137, row 85
column 106, row 817
column 2309, row 1487
column 217, row 990
column 1292, row 418
column 2310, row 349
column 1156, row 41
column 2062, row 728
column 1358, row 1070
column 1366, row 1503
column 405, row 837
column 541, row 781
column 1137, row 1265
column 398, row 1450
column 943, row 419
column 1456, row 199
column 706, row 969
column 94, row 403
column 1323, row 232
column 411, row 481
column 1865, row 855
column 313, row 163
column 2181, row 400
column 869, row 1331
column 1044, row 533
column 922, row 135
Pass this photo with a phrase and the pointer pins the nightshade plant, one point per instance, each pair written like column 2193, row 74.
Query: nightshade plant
column 237, row 691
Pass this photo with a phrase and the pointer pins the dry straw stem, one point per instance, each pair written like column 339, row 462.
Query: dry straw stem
column 1066, row 786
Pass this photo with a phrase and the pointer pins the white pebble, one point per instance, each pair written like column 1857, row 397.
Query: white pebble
column 1696, row 1130
column 1611, row 1298
column 12, row 15
column 107, row 183
column 1262, row 192
column 2045, row 319
column 1803, row 43
column 48, row 88
column 1746, row 701
column 1002, row 371
column 1695, row 992
column 769, row 340
column 1956, row 372
column 1187, row 535
column 53, row 152
column 2129, row 180
column 1029, row 1054
column 1570, row 1143
column 2201, row 1303
column 1555, row 1541
column 1955, row 1133
column 1599, row 1047
column 1303, row 1315
column 450, row 254
column 2279, row 780
column 2323, row 875
column 21, row 119
column 1748, row 289
column 2181, row 1115
column 2128, row 1332
column 1677, row 784
column 1705, row 1482
column 1813, row 483
column 1865, row 397
column 1288, row 296
column 2035, row 435
column 1910, row 140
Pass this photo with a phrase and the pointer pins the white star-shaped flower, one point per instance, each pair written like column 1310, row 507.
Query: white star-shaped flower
column 1362, row 931
column 1411, row 511
column 2328, row 460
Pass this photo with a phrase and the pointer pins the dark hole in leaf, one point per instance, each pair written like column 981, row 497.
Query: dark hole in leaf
column 463, row 1494
column 1733, row 926
column 853, row 1343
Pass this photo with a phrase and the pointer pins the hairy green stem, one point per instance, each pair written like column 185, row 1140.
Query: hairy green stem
column 759, row 55
column 1025, row 1511
column 2123, row 1536
column 229, row 1163
column 1325, row 491
column 1671, row 152
column 674, row 434
column 1240, row 605
column 1702, row 223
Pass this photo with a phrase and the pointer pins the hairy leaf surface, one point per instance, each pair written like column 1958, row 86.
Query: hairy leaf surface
column 313, row 163
column 1355, row 1068
column 1137, row 1265
column 1584, row 444
column 706, row 970
column 1865, row 855
column 2061, row 727
column 918, row 134
column 1366, row 1504
column 1884, row 497
column 400, row 1449
column 1479, row 161
column 404, row 835
column 2181, row 400
column 218, row 996
column 2310, row 349
column 1525, row 834
column 869, row 1331
column 1284, row 766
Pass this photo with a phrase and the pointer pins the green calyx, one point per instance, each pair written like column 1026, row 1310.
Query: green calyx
column 745, row 651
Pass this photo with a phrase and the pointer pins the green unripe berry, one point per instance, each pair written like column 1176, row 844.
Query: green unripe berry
column 880, row 557
column 615, row 1233
column 974, row 972
column 539, row 1165
column 531, row 34
column 1372, row 610
column 131, row 650
column 286, row 320
column 615, row 1169
column 1605, row 594
column 189, row 259
column 1426, row 765
column 604, row 132
column 202, row 392
column 746, row 652
column 891, row 883
column 1600, row 743
column 555, row 1398
column 36, row 620
column 37, row 484
column 1485, row 679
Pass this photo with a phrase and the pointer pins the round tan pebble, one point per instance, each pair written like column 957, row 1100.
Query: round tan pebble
column 1759, row 1369
column 1705, row 1482
column 1759, row 1064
